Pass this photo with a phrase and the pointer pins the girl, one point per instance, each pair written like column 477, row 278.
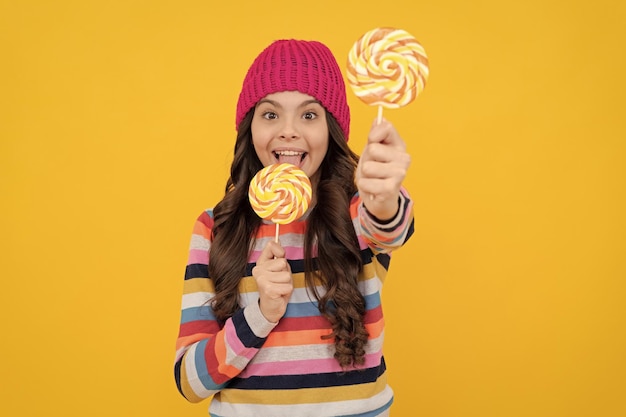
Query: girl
column 296, row 328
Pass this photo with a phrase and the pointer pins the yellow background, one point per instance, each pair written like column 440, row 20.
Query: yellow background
column 117, row 126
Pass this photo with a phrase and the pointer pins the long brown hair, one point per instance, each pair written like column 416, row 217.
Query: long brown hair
column 330, row 231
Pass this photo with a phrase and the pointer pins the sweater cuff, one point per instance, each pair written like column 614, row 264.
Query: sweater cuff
column 390, row 225
column 259, row 325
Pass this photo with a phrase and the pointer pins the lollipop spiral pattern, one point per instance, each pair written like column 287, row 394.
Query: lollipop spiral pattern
column 280, row 193
column 387, row 67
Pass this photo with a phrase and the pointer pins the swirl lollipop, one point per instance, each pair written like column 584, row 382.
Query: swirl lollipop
column 387, row 67
column 280, row 193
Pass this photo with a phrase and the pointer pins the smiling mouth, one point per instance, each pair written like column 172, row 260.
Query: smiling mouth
column 291, row 157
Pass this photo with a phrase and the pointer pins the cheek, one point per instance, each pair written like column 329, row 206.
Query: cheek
column 259, row 139
column 261, row 134
column 260, row 143
column 260, row 149
column 321, row 144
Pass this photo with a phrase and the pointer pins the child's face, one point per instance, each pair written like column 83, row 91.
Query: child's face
column 290, row 127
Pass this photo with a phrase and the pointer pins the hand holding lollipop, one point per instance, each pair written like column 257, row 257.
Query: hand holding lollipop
column 280, row 193
column 387, row 67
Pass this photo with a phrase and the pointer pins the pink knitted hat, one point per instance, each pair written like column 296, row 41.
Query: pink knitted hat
column 294, row 65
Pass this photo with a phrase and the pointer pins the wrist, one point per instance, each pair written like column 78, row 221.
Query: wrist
column 257, row 321
column 383, row 212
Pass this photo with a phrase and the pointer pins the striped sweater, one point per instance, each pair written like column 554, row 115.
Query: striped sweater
column 255, row 368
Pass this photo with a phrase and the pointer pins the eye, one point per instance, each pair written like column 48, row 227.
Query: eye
column 269, row 115
column 310, row 115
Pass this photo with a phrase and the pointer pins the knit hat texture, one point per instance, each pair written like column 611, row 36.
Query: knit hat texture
column 295, row 65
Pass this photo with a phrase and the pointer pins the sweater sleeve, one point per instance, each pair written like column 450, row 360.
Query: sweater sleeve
column 209, row 355
column 385, row 236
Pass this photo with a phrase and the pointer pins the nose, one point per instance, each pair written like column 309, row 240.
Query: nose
column 288, row 130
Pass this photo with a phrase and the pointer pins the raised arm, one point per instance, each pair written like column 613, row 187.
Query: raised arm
column 210, row 355
column 385, row 211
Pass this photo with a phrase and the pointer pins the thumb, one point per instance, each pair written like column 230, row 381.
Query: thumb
column 386, row 134
column 271, row 251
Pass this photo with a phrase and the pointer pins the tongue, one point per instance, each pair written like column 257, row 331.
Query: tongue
column 290, row 159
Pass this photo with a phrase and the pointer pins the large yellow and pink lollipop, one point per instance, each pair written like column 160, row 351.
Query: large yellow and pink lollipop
column 280, row 193
column 387, row 67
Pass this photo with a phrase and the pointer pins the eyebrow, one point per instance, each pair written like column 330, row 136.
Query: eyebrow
column 277, row 104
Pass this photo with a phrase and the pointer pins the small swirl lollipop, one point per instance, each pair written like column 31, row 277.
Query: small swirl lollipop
column 280, row 193
column 388, row 68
